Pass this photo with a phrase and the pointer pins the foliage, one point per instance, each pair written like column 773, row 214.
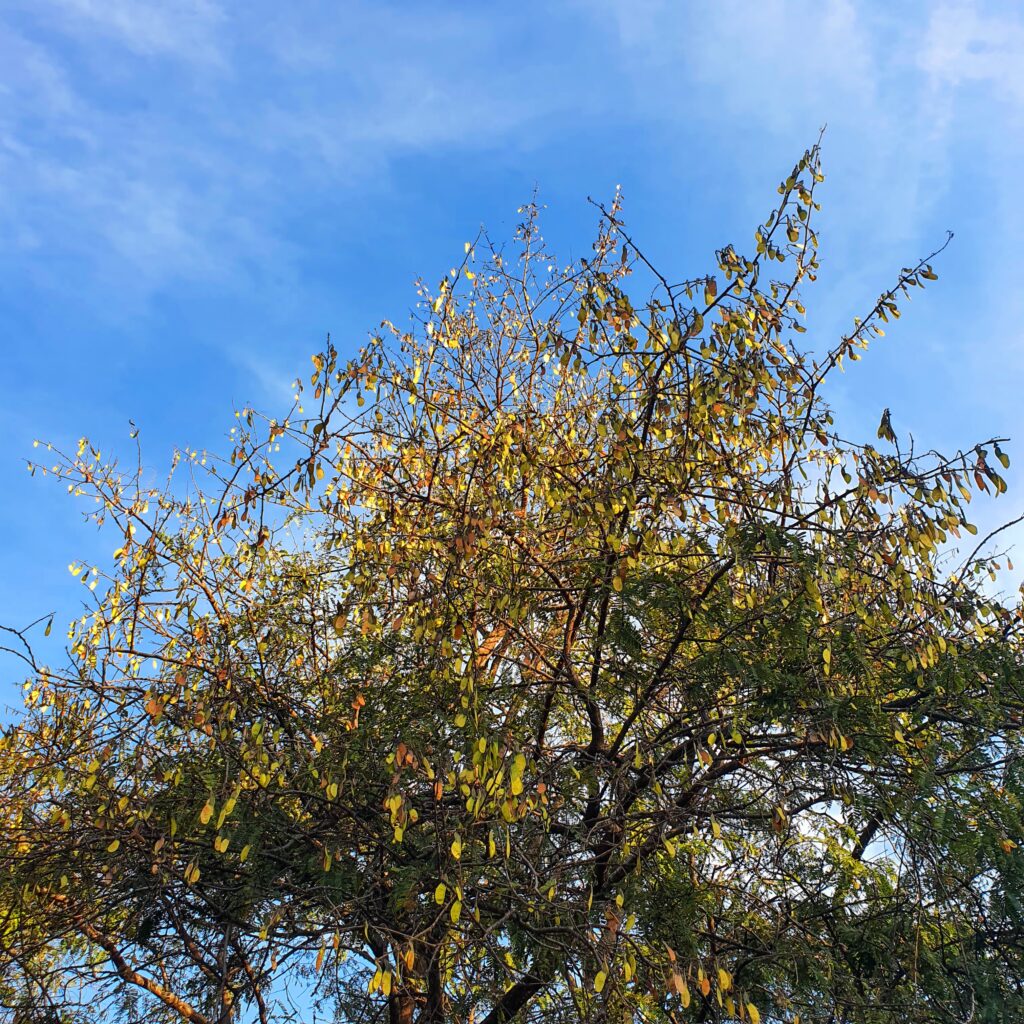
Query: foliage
column 556, row 657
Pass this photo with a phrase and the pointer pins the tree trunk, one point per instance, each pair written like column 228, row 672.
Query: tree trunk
column 401, row 1006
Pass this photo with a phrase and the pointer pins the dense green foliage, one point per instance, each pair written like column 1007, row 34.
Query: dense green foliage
column 554, row 658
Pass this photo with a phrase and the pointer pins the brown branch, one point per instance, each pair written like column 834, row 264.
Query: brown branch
column 129, row 974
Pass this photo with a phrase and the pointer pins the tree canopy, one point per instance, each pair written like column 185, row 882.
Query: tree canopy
column 556, row 658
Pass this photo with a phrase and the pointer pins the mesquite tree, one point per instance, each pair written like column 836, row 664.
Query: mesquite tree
column 555, row 658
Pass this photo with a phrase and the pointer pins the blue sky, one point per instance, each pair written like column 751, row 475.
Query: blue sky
column 193, row 193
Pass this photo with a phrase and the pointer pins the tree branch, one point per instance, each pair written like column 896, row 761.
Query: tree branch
column 129, row 974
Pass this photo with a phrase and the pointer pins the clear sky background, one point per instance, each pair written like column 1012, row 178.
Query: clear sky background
column 194, row 192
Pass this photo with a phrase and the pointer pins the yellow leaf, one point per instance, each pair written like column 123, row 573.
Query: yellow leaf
column 455, row 911
column 439, row 893
column 206, row 813
column 457, row 847
column 599, row 979
column 724, row 979
column 112, row 848
column 753, row 1013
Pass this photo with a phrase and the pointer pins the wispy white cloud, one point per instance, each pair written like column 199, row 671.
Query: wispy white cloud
column 184, row 29
column 966, row 43
column 81, row 178
column 918, row 97
column 777, row 71
column 163, row 130
column 165, row 139
column 753, row 54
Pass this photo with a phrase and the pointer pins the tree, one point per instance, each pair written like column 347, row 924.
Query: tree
column 556, row 658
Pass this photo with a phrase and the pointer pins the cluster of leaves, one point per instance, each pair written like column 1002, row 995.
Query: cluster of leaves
column 554, row 658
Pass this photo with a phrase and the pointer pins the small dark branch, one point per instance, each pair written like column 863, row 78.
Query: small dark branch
column 515, row 999
column 23, row 650
column 685, row 621
column 864, row 839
